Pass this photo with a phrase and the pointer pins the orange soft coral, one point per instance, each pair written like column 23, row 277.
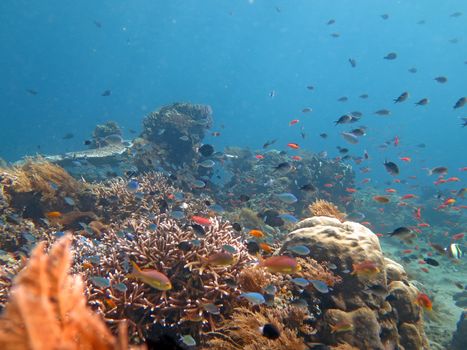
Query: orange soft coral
column 47, row 308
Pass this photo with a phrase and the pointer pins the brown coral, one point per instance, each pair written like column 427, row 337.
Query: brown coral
column 254, row 279
column 47, row 308
column 322, row 207
column 242, row 331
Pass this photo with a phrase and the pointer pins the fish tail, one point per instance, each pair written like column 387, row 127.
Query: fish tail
column 135, row 271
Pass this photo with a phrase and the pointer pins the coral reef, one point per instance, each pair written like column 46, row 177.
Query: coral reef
column 106, row 134
column 200, row 293
column 47, row 308
column 175, row 130
column 380, row 308
column 242, row 331
column 322, row 207
column 38, row 186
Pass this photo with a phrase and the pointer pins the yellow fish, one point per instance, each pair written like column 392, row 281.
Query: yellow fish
column 152, row 277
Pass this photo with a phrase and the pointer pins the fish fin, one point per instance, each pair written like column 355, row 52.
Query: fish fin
column 136, row 268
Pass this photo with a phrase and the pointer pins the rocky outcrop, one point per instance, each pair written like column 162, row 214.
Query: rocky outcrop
column 459, row 339
column 379, row 306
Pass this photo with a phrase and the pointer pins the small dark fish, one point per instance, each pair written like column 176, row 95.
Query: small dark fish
column 283, row 167
column 413, row 70
column 342, row 150
column 335, row 35
column 438, row 170
column 206, row 150
column 198, row 229
column 385, row 16
column 357, row 114
column 252, row 247
column 97, row 24
column 403, row 233
column 454, row 40
column 87, row 142
column 456, row 14
column 460, row 102
column 184, row 246
column 163, row 205
column 353, row 62
column 106, row 93
column 236, row 226
column 343, row 99
column 358, row 132
column 323, row 135
column 32, row 92
column 331, row 21
column 421, row 145
column 269, row 143
column 364, row 96
column 345, row 119
column 383, row 112
column 391, row 168
column 402, row 97
column 431, row 261
column 244, row 198
column 310, row 87
column 464, row 121
column 270, row 331
column 68, row 136
column 422, row 102
column 441, row 79
column 422, row 21
column 390, row 56
column 308, row 188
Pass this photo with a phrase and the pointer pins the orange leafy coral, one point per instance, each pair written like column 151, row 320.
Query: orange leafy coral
column 322, row 207
column 47, row 308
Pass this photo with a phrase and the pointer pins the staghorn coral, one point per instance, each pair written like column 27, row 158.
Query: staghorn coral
column 242, row 332
column 196, row 286
column 47, row 308
column 322, row 207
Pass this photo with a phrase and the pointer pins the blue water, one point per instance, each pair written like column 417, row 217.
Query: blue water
column 231, row 55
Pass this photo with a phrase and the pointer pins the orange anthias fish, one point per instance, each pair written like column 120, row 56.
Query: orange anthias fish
column 391, row 190
column 366, row 267
column 408, row 196
column 266, row 247
column 381, row 199
column 280, row 264
column 201, row 221
column 293, row 145
column 298, row 158
column 424, row 301
column 219, row 259
column 342, row 326
column 54, row 214
column 152, row 277
column 449, row 201
column 256, row 233
column 405, row 159
column 293, row 122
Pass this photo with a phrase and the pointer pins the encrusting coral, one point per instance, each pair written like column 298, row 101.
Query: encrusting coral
column 322, row 207
column 47, row 308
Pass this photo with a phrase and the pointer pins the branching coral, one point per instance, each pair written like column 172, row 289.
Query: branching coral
column 322, row 207
column 47, row 308
column 200, row 292
column 312, row 270
column 254, row 279
column 242, row 331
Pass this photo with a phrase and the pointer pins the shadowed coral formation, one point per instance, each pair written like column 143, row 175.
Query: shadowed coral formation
column 322, row 207
column 47, row 308
column 38, row 186
column 242, row 331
